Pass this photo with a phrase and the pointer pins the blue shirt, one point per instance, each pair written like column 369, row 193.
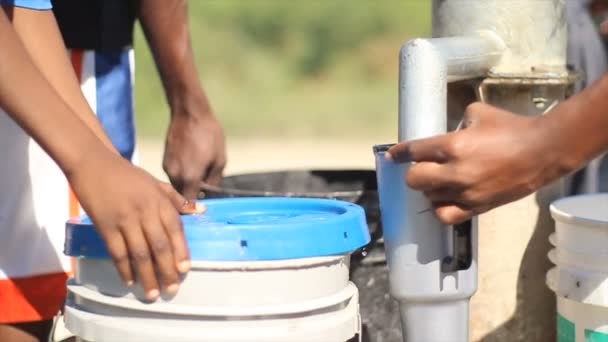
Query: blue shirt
column 32, row 4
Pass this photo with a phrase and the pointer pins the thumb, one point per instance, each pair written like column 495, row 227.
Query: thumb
column 452, row 214
column 180, row 203
column 474, row 113
column 481, row 114
column 190, row 190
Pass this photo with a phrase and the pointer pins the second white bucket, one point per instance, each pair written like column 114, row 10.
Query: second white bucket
column 580, row 278
column 263, row 269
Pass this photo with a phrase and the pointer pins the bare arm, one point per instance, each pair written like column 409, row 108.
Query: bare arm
column 134, row 214
column 31, row 101
column 580, row 125
column 165, row 24
column 47, row 51
column 195, row 142
column 501, row 157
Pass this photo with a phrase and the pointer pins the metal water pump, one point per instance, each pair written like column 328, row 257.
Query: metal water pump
column 511, row 54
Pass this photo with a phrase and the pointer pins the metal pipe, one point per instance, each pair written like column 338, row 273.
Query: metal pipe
column 433, row 298
column 425, row 67
column 448, row 321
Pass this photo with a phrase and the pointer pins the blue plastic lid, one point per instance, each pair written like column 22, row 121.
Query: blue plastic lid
column 263, row 228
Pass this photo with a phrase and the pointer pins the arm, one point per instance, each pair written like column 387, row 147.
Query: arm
column 136, row 217
column 500, row 157
column 46, row 117
column 195, row 141
column 48, row 53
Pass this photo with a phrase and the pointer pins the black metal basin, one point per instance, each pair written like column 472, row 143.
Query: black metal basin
column 379, row 313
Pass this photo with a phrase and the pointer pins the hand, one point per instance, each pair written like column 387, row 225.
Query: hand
column 499, row 157
column 194, row 152
column 138, row 219
column 604, row 28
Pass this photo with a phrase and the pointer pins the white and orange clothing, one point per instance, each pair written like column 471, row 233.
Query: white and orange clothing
column 35, row 198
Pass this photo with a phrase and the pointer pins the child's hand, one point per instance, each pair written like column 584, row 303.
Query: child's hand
column 137, row 217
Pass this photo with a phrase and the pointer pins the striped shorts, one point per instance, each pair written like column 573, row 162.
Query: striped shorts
column 35, row 198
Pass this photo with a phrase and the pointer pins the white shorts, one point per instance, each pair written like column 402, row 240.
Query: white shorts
column 35, row 199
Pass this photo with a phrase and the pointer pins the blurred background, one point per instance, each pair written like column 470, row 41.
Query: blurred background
column 295, row 83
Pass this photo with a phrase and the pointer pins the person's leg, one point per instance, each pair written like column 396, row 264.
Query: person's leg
column 26, row 332
column 586, row 52
column 33, row 207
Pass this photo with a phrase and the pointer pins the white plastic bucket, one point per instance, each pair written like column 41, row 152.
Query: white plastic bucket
column 275, row 301
column 262, row 270
column 580, row 278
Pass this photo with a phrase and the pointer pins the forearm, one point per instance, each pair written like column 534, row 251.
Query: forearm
column 27, row 96
column 165, row 25
column 39, row 33
column 579, row 126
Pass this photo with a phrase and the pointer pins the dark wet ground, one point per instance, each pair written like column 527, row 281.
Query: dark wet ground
column 379, row 312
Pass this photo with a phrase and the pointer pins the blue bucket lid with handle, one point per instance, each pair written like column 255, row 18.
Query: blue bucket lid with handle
column 261, row 228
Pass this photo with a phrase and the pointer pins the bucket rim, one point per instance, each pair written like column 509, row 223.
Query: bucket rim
column 235, row 192
column 251, row 228
column 560, row 215
column 382, row 148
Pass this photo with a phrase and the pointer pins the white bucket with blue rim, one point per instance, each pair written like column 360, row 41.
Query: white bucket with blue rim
column 580, row 277
column 263, row 269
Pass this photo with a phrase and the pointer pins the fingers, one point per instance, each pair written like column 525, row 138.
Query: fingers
column 481, row 114
column 120, row 255
column 435, row 149
column 161, row 251
column 158, row 249
column 447, row 168
column 427, row 176
column 212, row 175
column 177, row 200
column 180, row 203
column 191, row 188
column 192, row 207
column 173, row 225
column 453, row 214
column 175, row 232
column 444, row 195
column 186, row 180
column 474, row 113
column 443, row 148
column 141, row 258
column 215, row 174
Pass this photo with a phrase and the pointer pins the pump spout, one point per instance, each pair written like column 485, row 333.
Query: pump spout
column 426, row 277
